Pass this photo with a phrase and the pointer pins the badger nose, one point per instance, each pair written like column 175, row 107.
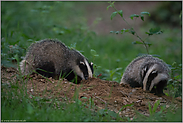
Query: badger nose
column 86, row 77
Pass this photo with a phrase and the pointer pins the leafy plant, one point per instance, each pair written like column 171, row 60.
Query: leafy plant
column 131, row 29
column 170, row 114
column 113, row 74
column 152, row 111
column 175, row 83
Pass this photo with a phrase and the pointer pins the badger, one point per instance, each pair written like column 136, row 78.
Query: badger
column 148, row 72
column 52, row 58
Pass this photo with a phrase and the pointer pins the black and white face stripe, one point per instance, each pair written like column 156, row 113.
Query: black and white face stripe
column 84, row 69
column 152, row 77
column 147, row 78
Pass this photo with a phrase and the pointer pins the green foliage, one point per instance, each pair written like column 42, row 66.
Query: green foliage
column 124, row 106
column 131, row 29
column 154, row 31
column 120, row 12
column 175, row 83
column 110, row 55
column 94, row 53
column 112, row 114
column 164, row 115
column 141, row 15
column 113, row 74
column 153, row 111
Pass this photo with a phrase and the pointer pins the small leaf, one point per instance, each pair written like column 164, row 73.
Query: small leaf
column 154, row 31
column 166, row 94
column 12, row 32
column 113, row 15
column 149, row 44
column 177, row 77
column 84, row 98
column 117, row 32
column 132, row 31
column 30, row 109
column 109, row 7
column 137, row 42
column 150, row 109
column 148, row 33
column 142, row 17
column 124, row 106
column 156, row 106
column 93, row 52
column 124, row 30
column 145, row 13
column 120, row 12
column 112, row 114
column 134, row 15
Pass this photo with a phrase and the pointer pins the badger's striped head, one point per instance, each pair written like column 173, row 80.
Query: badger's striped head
column 154, row 75
column 84, row 69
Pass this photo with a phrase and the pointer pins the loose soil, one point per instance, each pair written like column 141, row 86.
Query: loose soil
column 105, row 94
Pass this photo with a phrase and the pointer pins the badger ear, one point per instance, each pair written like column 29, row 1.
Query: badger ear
column 91, row 63
column 154, row 72
column 82, row 63
column 144, row 71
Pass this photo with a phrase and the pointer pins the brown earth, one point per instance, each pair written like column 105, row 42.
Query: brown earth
column 105, row 94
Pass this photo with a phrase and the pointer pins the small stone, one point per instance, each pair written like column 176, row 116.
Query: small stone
column 143, row 103
column 179, row 99
column 167, row 106
column 138, row 101
column 133, row 90
column 115, row 102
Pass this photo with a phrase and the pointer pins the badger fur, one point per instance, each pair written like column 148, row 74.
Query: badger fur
column 52, row 58
column 148, row 72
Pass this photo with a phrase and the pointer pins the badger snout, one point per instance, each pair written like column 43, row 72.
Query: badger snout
column 86, row 77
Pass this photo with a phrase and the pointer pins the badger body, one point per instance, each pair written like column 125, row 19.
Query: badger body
column 52, row 58
column 148, row 72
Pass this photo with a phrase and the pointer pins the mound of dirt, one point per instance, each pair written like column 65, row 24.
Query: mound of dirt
column 105, row 94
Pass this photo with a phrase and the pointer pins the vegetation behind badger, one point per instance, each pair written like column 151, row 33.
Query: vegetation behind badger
column 52, row 58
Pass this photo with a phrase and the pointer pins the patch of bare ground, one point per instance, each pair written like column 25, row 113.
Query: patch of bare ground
column 105, row 94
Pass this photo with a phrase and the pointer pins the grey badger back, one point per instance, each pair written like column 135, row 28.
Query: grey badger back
column 148, row 72
column 52, row 58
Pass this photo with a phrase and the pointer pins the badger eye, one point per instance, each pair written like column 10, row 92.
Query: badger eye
column 154, row 73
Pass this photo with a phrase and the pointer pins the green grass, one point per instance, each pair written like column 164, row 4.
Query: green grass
column 26, row 22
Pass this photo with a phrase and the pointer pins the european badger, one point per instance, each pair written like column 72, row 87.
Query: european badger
column 148, row 72
column 52, row 58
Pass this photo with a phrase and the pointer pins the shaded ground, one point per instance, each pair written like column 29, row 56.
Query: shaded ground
column 104, row 93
